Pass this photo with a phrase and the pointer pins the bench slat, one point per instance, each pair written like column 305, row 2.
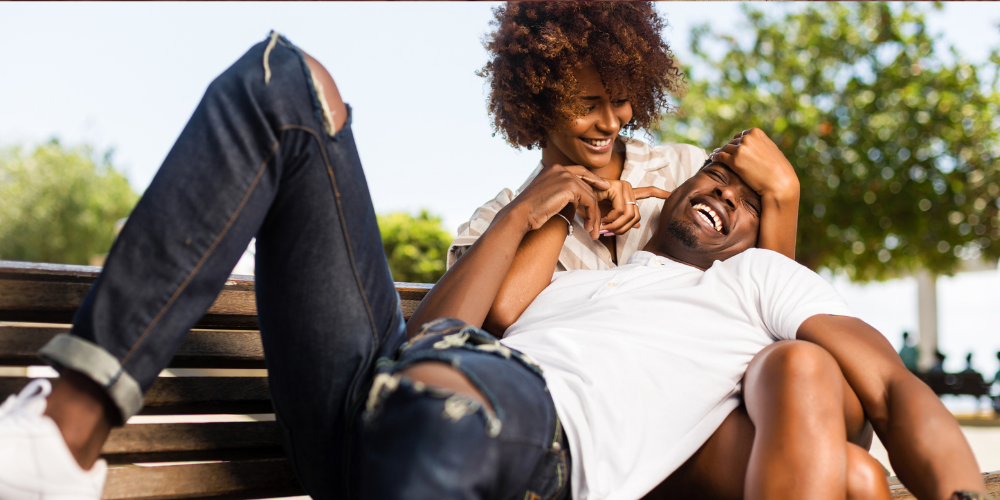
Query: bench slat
column 245, row 479
column 50, row 293
column 190, row 395
column 189, row 442
column 992, row 480
column 201, row 349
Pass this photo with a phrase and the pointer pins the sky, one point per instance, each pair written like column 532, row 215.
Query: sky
column 126, row 76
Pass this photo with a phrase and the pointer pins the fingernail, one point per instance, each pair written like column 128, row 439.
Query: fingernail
column 606, row 233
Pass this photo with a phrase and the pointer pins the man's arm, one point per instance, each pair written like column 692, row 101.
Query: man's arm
column 926, row 447
column 759, row 162
column 467, row 291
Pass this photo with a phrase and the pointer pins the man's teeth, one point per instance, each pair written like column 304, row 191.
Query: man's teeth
column 598, row 142
column 709, row 215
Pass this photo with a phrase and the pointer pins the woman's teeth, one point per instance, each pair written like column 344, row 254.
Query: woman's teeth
column 600, row 143
column 709, row 215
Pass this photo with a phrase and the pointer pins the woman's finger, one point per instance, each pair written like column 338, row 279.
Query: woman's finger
column 633, row 205
column 586, row 204
column 650, row 192
column 589, row 177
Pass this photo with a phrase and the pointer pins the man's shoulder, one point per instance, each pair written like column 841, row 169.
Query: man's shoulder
column 762, row 266
column 761, row 257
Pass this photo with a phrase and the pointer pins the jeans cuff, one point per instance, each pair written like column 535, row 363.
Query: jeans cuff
column 75, row 353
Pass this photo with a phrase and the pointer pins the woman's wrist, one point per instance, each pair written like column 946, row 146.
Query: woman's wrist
column 512, row 220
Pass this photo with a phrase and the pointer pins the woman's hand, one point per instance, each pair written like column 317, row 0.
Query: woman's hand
column 620, row 197
column 554, row 189
column 757, row 159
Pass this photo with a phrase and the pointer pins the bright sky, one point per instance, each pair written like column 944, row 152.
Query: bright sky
column 127, row 76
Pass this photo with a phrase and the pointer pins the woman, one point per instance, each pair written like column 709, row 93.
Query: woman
column 575, row 79
column 544, row 56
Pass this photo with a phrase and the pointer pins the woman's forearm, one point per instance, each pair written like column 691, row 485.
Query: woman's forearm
column 779, row 220
column 926, row 446
column 469, row 288
column 529, row 274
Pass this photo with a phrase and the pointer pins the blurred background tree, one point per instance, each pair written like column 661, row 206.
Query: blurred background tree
column 897, row 146
column 59, row 204
column 416, row 246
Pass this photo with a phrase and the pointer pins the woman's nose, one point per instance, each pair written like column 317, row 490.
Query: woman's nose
column 608, row 122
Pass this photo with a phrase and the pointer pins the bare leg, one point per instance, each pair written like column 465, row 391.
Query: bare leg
column 80, row 408
column 718, row 470
column 794, row 395
column 442, row 375
column 865, row 478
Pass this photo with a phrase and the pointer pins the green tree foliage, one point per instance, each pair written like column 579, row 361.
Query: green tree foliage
column 896, row 146
column 416, row 247
column 58, row 204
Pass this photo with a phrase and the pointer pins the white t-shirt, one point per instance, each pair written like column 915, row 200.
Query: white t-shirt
column 644, row 361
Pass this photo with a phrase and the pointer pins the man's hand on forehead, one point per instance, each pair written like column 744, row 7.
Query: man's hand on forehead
column 757, row 160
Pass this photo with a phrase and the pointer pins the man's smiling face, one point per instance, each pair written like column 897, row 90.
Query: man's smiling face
column 712, row 216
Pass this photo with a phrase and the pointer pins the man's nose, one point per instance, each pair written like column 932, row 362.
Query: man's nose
column 728, row 195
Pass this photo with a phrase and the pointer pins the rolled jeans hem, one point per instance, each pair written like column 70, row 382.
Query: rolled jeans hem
column 92, row 360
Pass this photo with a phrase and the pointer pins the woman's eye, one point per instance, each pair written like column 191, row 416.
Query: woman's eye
column 620, row 102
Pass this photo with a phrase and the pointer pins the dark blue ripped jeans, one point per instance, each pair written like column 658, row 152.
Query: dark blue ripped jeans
column 259, row 158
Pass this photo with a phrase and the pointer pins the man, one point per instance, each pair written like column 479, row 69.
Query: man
column 452, row 413
column 908, row 353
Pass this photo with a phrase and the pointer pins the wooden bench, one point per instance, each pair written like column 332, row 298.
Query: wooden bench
column 193, row 438
column 207, row 433
column 962, row 383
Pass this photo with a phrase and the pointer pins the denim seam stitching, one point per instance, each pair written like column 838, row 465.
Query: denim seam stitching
column 343, row 229
column 565, row 473
column 211, row 249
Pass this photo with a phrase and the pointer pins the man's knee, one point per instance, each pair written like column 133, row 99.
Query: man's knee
column 443, row 376
column 865, row 476
column 795, row 361
column 335, row 108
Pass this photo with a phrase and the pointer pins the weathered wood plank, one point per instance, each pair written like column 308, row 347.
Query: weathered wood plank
column 51, row 293
column 245, row 479
column 190, row 442
column 201, row 349
column 190, row 395
column 992, row 480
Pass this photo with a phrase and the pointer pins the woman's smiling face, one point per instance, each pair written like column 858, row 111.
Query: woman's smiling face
column 587, row 140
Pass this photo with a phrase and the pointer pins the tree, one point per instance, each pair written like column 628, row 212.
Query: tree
column 416, row 247
column 59, row 204
column 897, row 149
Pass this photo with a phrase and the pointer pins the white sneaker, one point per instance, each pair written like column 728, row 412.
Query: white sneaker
column 35, row 463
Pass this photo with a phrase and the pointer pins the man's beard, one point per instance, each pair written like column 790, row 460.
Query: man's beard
column 684, row 233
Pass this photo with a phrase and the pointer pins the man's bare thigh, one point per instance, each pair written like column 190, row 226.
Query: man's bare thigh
column 717, row 471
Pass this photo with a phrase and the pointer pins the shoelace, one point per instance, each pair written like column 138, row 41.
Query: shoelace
column 37, row 388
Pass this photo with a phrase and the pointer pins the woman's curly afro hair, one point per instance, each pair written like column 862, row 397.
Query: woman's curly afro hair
column 536, row 46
